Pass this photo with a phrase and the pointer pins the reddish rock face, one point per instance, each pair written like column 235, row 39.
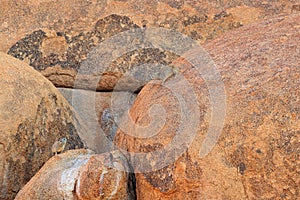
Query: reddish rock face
column 195, row 18
column 33, row 115
column 56, row 39
column 257, row 153
column 80, row 174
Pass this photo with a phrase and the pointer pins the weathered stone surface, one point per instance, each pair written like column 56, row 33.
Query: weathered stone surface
column 100, row 112
column 63, row 62
column 78, row 16
column 257, row 154
column 81, row 174
column 57, row 46
column 33, row 115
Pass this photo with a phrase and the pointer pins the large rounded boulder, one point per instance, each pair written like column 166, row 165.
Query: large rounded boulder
column 256, row 155
column 33, row 115
column 81, row 174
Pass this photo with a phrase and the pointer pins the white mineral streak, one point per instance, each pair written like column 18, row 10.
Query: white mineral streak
column 118, row 178
column 104, row 171
column 119, row 170
column 70, row 175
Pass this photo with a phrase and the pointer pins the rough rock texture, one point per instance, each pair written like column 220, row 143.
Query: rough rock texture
column 257, row 153
column 187, row 16
column 56, row 39
column 81, row 174
column 100, row 112
column 33, row 115
column 61, row 58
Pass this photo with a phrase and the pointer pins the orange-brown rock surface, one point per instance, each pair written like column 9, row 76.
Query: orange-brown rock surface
column 56, row 39
column 78, row 16
column 33, row 115
column 81, row 174
column 257, row 153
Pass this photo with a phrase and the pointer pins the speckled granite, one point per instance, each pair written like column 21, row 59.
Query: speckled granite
column 77, row 16
column 257, row 153
column 56, row 39
column 81, row 174
column 33, row 115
